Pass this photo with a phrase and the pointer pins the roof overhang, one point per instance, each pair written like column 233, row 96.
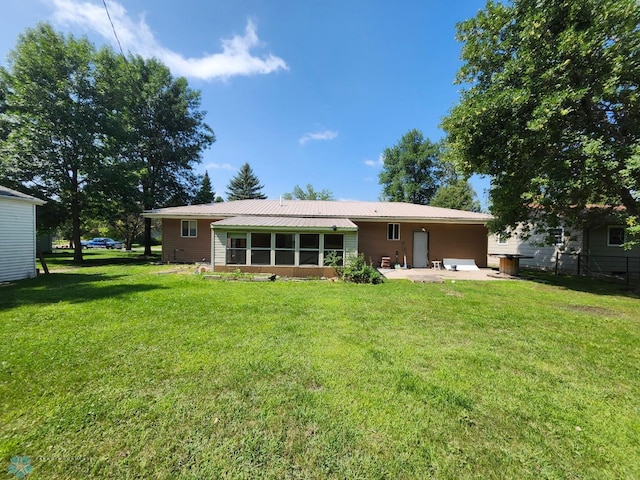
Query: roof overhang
column 255, row 223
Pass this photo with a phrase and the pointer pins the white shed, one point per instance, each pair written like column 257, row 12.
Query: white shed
column 17, row 234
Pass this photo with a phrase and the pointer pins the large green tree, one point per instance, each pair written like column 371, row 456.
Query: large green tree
column 550, row 107
column 412, row 169
column 245, row 185
column 52, row 126
column 309, row 194
column 166, row 135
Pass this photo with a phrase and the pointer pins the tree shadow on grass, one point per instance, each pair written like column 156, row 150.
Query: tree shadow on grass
column 69, row 287
column 596, row 286
column 98, row 258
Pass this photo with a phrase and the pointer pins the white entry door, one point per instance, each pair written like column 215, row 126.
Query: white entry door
column 420, row 249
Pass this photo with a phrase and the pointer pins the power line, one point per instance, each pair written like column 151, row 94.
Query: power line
column 104, row 2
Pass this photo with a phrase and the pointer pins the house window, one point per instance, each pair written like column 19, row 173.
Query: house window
column 556, row 236
column 260, row 249
column 237, row 249
column 334, row 243
column 393, row 231
column 615, row 237
column 189, row 228
column 309, row 249
column 285, row 249
column 503, row 239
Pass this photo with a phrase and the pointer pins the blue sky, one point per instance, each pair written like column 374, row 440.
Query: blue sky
column 306, row 91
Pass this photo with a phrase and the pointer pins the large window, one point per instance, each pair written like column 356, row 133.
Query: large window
column 236, row 249
column 261, row 249
column 615, row 236
column 189, row 228
column 309, row 249
column 285, row 249
column 266, row 248
column 334, row 243
column 393, row 231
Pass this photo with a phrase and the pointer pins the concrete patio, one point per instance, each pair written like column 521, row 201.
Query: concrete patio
column 430, row 275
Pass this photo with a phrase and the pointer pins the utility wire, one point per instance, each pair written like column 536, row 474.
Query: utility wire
column 104, row 2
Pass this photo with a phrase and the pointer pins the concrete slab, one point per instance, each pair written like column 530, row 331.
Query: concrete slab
column 429, row 275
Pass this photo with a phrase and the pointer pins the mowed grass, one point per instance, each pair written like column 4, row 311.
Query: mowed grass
column 117, row 371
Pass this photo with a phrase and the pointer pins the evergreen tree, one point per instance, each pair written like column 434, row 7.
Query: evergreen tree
column 245, row 185
column 206, row 193
column 459, row 195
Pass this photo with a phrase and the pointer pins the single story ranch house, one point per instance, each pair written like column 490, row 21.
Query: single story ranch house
column 294, row 237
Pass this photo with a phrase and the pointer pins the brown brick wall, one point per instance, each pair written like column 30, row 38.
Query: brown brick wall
column 445, row 241
column 182, row 249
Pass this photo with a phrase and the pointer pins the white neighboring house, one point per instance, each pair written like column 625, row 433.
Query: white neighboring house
column 17, row 235
column 596, row 249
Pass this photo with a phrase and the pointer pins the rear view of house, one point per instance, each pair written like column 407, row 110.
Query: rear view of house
column 296, row 237
column 17, row 235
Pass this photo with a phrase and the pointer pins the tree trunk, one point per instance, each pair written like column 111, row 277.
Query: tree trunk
column 75, row 221
column 147, row 236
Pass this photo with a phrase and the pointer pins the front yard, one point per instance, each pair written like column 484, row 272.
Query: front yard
column 117, row 371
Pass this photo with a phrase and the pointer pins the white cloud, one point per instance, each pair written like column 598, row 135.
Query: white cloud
column 219, row 166
column 375, row 163
column 326, row 135
column 136, row 37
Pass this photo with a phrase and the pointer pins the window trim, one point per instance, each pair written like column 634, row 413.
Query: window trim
column 393, row 232
column 189, row 229
column 624, row 235
column 554, row 235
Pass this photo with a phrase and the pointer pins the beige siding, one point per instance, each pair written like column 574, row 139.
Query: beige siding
column 17, row 240
column 219, row 247
column 445, row 241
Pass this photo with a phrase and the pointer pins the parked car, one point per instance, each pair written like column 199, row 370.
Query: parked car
column 101, row 242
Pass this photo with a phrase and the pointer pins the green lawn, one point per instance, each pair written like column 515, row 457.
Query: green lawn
column 117, row 371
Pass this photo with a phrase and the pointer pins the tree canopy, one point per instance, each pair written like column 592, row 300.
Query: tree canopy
column 412, row 170
column 245, row 185
column 309, row 194
column 206, row 193
column 550, row 108
column 459, row 195
column 99, row 134
column 52, row 125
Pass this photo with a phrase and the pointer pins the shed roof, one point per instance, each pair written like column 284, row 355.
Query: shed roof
column 322, row 209
column 6, row 192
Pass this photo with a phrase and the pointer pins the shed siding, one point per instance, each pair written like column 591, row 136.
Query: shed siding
column 17, row 240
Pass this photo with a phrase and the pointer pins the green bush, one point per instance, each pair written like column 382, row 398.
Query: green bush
column 357, row 270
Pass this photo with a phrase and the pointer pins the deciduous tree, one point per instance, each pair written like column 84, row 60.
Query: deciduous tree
column 309, row 194
column 412, row 169
column 53, row 129
column 550, row 107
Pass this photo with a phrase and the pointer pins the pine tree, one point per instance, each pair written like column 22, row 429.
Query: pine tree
column 245, row 185
column 206, row 193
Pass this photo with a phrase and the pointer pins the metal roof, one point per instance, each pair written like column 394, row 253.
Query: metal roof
column 287, row 222
column 321, row 209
